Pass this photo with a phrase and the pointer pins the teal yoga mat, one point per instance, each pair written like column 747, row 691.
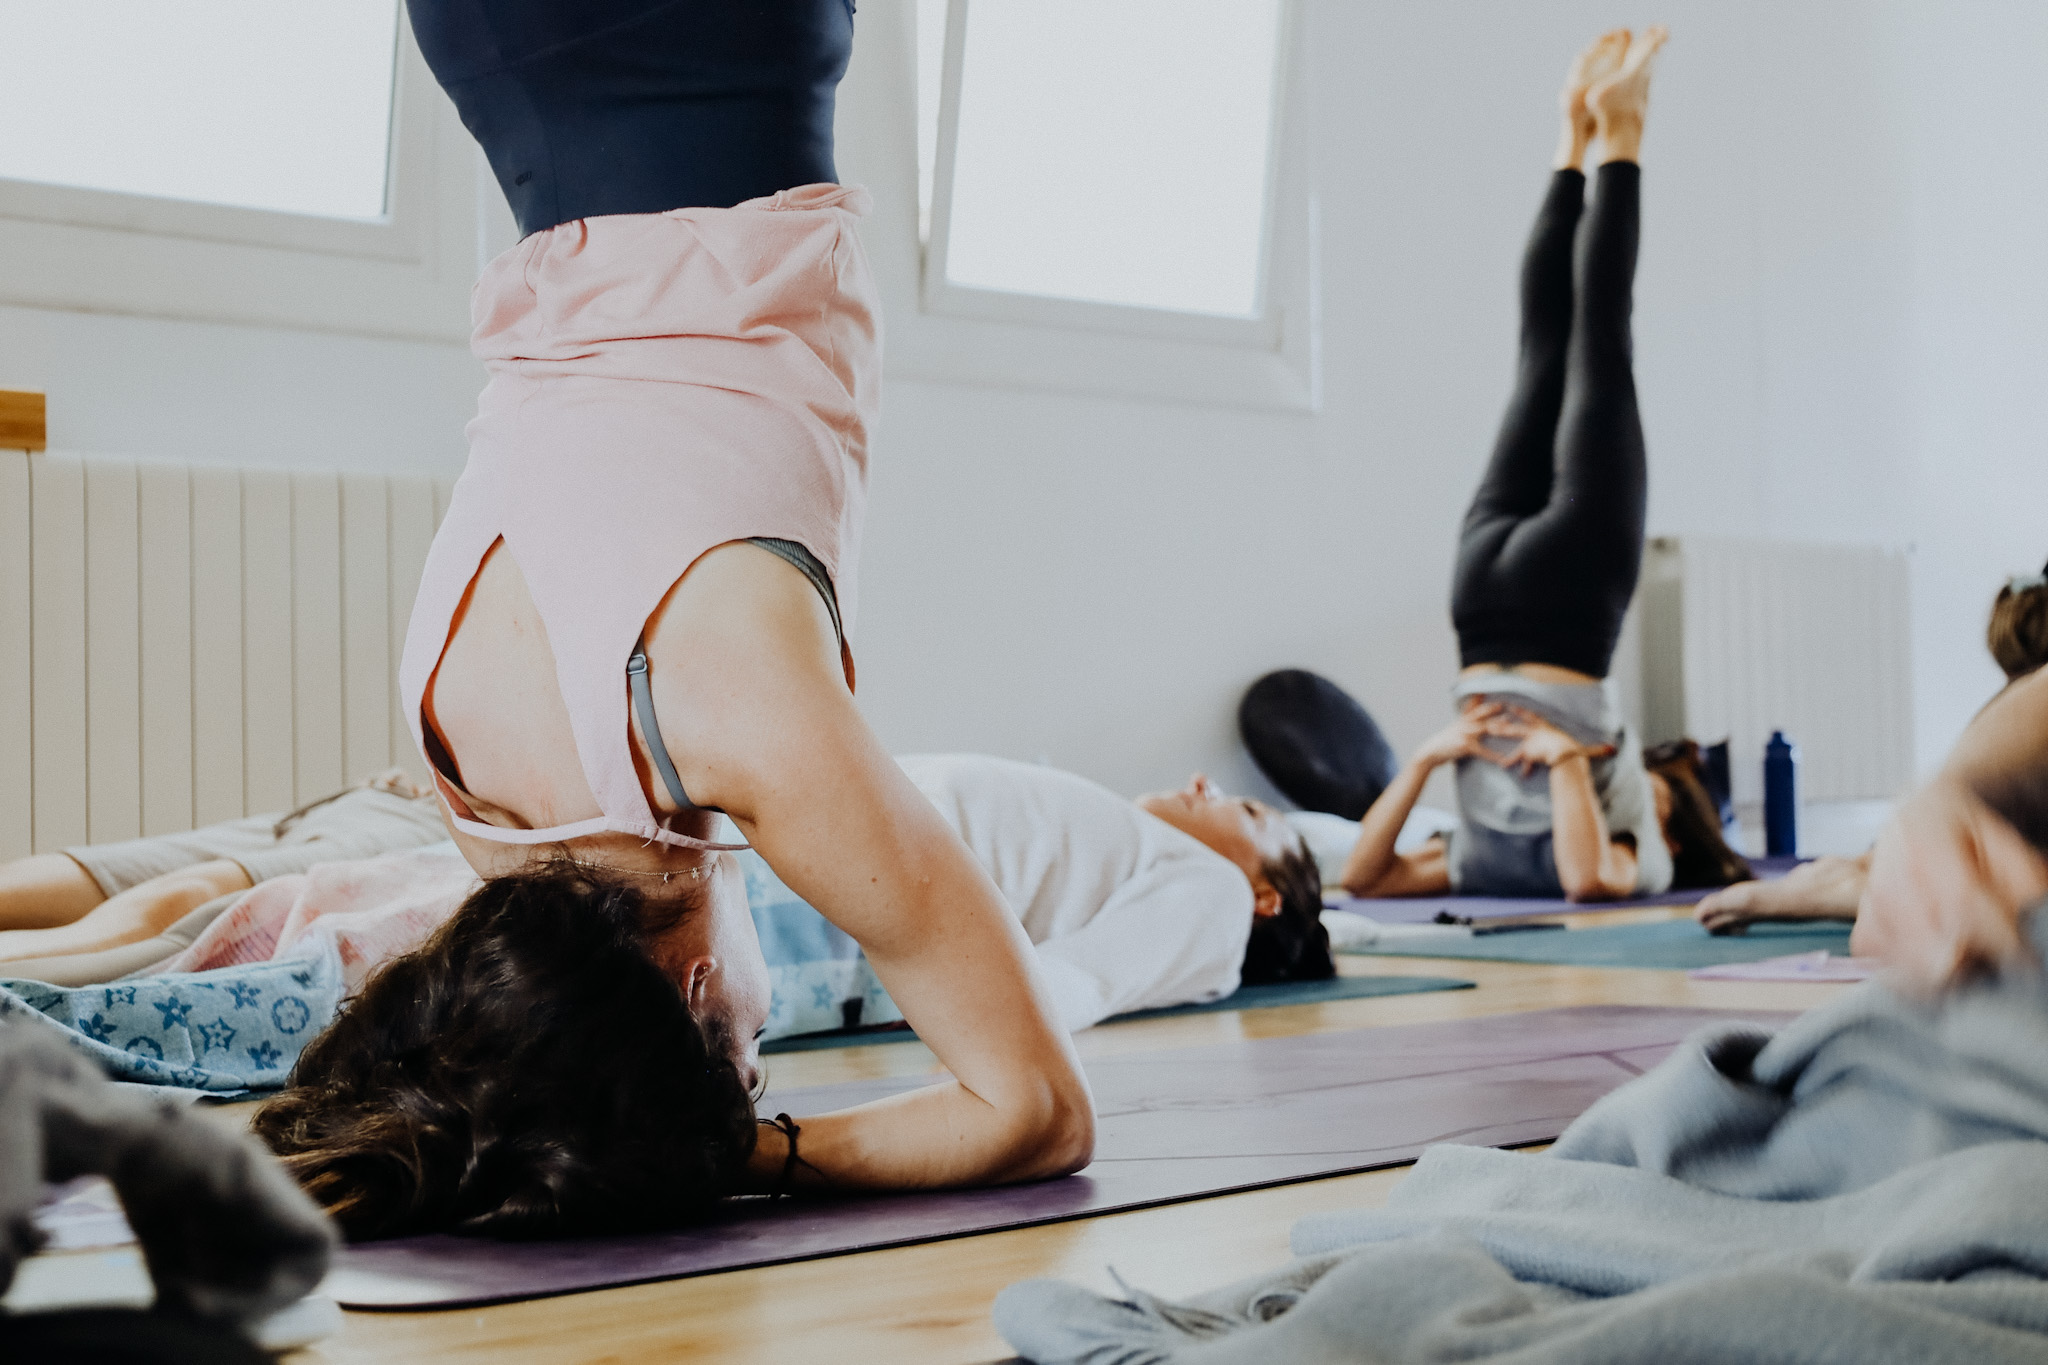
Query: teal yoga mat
column 1245, row 998
column 1668, row 944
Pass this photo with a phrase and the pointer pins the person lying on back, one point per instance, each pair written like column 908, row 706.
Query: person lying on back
column 1176, row 898
column 95, row 912
column 1555, row 796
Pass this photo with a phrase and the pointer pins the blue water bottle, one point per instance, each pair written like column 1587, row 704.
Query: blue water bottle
column 1781, row 797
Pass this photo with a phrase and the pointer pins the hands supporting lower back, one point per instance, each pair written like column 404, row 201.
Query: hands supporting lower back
column 1464, row 737
column 1538, row 743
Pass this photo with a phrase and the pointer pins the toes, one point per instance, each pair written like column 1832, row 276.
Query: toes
column 1600, row 58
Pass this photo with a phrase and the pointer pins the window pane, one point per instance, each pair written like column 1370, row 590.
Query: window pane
column 266, row 104
column 1115, row 152
column 931, row 60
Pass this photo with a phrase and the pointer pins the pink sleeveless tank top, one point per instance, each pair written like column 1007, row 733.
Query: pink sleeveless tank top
column 660, row 384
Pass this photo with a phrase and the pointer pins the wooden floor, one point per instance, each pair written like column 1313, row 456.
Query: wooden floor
column 930, row 1303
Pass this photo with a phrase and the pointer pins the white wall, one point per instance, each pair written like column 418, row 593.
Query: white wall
column 221, row 394
column 1118, row 572
column 1841, row 327
column 1976, row 145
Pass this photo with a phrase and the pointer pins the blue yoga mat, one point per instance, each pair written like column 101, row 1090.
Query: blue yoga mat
column 1244, row 998
column 1669, row 944
column 1425, row 909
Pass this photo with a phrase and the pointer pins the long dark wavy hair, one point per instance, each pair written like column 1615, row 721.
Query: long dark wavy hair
column 529, row 1072
column 1703, row 857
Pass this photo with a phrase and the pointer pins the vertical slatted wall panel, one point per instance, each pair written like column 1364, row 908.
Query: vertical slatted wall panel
column 1723, row 681
column 316, row 637
column 1659, row 599
column 1810, row 639
column 217, row 732
column 414, row 516
column 366, row 665
column 267, row 700
column 113, row 653
column 164, row 510
column 57, row 645
column 1710, row 713
column 17, row 812
column 1840, row 642
column 180, row 646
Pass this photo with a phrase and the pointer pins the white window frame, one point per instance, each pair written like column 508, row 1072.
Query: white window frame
column 406, row 274
column 941, row 330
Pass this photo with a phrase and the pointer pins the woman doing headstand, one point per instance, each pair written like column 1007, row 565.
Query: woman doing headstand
column 635, row 616
column 1553, row 795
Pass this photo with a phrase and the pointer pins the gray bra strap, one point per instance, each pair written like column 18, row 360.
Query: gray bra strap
column 643, row 706
column 806, row 564
column 636, row 667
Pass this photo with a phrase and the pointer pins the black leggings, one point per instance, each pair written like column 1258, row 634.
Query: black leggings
column 1548, row 556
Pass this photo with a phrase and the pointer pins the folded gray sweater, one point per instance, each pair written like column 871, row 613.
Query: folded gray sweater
column 1868, row 1186
column 225, row 1233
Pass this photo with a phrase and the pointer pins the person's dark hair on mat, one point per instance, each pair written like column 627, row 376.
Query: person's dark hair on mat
column 530, row 1071
column 1290, row 945
column 1287, row 940
column 2018, row 630
column 1700, row 855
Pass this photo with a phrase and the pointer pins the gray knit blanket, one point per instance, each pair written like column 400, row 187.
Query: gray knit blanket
column 1868, row 1186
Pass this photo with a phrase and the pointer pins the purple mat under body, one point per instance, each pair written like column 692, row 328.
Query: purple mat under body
column 1173, row 1125
column 1424, row 909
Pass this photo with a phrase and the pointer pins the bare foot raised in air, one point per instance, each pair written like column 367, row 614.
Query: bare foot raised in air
column 1618, row 102
column 1589, row 68
column 1826, row 888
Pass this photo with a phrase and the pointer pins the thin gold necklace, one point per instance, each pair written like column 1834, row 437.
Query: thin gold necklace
column 697, row 873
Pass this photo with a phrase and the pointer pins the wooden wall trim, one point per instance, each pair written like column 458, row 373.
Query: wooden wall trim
column 23, row 425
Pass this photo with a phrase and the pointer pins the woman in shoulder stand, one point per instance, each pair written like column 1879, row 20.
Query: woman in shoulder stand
column 1553, row 795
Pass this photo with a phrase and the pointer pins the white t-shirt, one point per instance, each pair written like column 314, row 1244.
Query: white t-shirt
column 1128, row 913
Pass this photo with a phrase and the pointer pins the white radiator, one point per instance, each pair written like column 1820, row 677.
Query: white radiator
column 183, row 644
column 1742, row 637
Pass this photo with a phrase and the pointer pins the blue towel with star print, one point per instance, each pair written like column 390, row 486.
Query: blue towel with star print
column 242, row 1027
column 231, row 1029
column 819, row 977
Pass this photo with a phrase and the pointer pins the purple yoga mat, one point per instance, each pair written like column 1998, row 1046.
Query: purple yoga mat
column 1173, row 1125
column 1424, row 909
